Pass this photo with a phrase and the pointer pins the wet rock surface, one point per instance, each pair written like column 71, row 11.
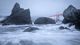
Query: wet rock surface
column 18, row 16
column 72, row 15
column 30, row 29
column 44, row 20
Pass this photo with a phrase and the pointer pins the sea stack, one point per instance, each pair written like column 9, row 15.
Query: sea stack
column 19, row 16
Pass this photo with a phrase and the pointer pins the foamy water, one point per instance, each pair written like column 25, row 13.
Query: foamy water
column 47, row 35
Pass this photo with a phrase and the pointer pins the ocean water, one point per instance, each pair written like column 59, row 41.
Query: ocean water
column 46, row 35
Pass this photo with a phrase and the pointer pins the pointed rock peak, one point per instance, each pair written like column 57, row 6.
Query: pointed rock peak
column 17, row 5
column 71, row 6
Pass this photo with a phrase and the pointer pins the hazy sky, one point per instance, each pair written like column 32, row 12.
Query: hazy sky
column 38, row 7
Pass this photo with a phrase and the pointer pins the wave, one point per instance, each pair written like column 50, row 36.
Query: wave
column 47, row 35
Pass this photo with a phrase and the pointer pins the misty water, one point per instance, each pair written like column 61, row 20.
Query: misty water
column 46, row 35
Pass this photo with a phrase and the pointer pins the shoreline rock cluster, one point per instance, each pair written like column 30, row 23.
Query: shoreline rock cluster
column 20, row 16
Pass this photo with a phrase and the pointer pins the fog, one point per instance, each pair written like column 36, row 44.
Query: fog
column 38, row 7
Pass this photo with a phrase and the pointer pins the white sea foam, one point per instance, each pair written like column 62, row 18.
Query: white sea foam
column 47, row 35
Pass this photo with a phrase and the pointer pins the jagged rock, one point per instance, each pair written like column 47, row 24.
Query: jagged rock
column 72, row 15
column 18, row 16
column 65, row 21
column 61, row 27
column 16, row 8
column 44, row 20
column 30, row 29
column 69, row 14
column 1, row 43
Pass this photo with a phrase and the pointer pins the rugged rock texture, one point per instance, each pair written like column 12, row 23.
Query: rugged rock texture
column 18, row 16
column 77, row 22
column 69, row 14
column 44, row 20
column 30, row 29
column 72, row 15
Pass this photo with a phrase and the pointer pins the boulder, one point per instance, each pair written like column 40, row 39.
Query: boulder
column 44, row 20
column 61, row 27
column 18, row 16
column 30, row 29
column 16, row 8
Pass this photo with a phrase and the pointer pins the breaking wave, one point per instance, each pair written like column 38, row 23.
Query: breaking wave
column 46, row 35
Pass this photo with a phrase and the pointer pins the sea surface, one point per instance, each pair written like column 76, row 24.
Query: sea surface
column 49, row 34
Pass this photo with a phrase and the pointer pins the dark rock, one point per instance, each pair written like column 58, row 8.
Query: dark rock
column 18, row 16
column 65, row 21
column 30, row 29
column 72, row 15
column 62, row 27
column 69, row 14
column 44, row 20
column 9, row 43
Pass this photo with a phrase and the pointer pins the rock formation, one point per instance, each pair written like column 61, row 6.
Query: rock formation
column 44, row 20
column 72, row 15
column 30, row 29
column 18, row 16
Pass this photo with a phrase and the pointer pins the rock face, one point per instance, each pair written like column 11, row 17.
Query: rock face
column 69, row 14
column 72, row 15
column 44, row 20
column 18, row 16
column 30, row 29
column 77, row 22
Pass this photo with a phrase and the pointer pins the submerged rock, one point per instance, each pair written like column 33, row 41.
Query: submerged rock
column 44, row 20
column 62, row 27
column 30, row 29
column 18, row 16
